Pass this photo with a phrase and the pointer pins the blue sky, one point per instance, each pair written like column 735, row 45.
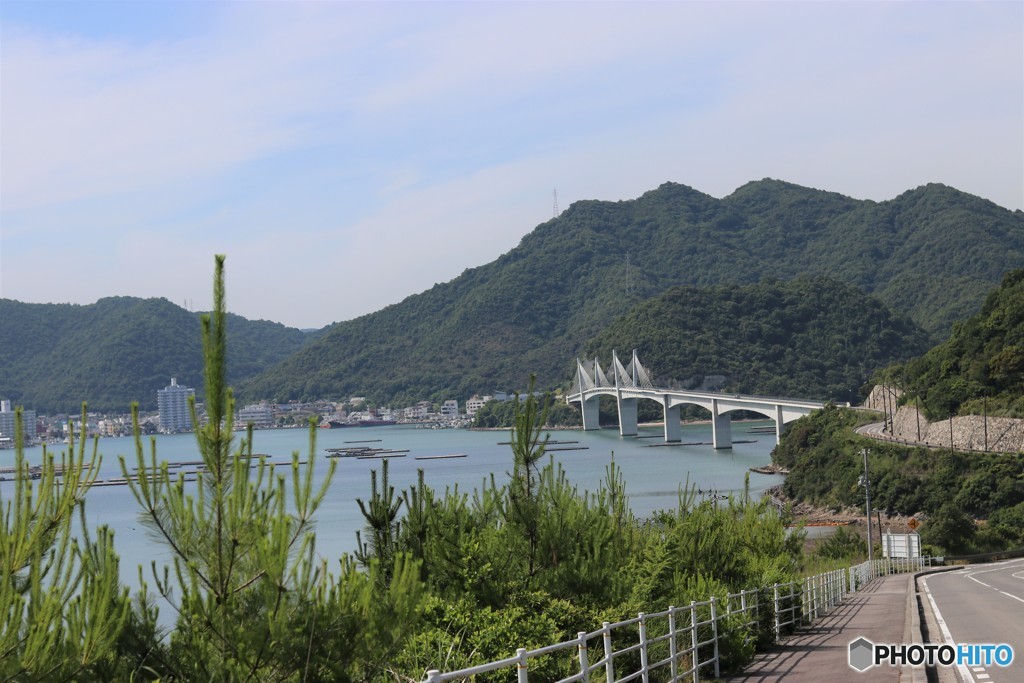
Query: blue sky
column 346, row 155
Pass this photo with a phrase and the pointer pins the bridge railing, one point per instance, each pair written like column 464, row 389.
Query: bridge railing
column 684, row 643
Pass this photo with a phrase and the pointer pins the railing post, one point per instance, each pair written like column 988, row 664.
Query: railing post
column 810, row 599
column 609, row 663
column 644, row 675
column 673, row 651
column 792, row 604
column 433, row 675
column 805, row 613
column 714, row 633
column 775, row 603
column 521, row 674
column 694, row 640
column 584, row 659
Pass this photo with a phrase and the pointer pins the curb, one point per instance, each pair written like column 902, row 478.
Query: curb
column 914, row 633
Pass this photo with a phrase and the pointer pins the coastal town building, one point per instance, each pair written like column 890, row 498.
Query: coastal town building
column 475, row 403
column 172, row 403
column 450, row 408
column 260, row 414
column 7, row 415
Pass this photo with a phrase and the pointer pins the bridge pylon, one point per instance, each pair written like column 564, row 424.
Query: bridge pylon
column 626, row 405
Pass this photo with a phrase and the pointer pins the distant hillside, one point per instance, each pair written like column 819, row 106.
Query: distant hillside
column 119, row 350
column 931, row 254
column 981, row 366
column 810, row 338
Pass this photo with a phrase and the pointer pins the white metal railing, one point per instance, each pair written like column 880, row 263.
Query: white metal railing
column 686, row 639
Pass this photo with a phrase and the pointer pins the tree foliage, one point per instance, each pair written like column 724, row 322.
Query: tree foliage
column 120, row 350
column 62, row 608
column 810, row 337
column 534, row 560
column 980, row 368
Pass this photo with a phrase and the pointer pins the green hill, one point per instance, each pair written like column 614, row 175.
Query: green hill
column 930, row 254
column 119, row 350
column 980, row 368
column 812, row 338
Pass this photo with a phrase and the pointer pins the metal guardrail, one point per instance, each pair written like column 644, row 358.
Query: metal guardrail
column 686, row 639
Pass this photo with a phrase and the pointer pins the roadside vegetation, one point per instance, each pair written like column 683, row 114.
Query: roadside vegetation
column 441, row 580
column 947, row 490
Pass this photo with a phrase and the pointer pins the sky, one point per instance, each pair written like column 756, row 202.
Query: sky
column 346, row 155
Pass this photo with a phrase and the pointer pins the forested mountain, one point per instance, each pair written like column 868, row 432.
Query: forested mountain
column 980, row 368
column 810, row 338
column 931, row 254
column 119, row 350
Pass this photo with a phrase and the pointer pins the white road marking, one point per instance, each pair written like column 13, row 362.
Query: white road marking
column 998, row 568
column 965, row 673
column 1011, row 595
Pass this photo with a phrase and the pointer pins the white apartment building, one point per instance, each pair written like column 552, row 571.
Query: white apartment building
column 450, row 408
column 172, row 402
column 28, row 422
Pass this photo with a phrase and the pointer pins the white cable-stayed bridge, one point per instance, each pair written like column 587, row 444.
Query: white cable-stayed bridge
column 631, row 383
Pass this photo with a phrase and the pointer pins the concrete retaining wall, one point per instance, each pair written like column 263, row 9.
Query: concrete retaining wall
column 969, row 431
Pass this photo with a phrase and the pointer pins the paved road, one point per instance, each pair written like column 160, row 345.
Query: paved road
column 981, row 603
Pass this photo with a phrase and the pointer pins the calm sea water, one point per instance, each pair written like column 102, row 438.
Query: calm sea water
column 653, row 474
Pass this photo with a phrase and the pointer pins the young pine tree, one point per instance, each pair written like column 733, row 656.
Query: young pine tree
column 243, row 578
column 62, row 607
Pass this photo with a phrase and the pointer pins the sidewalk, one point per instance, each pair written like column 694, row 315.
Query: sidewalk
column 883, row 612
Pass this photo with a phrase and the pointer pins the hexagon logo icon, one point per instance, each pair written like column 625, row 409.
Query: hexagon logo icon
column 862, row 653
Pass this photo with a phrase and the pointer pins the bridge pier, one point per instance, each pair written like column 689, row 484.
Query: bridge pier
column 673, row 430
column 627, row 416
column 721, row 427
column 591, row 415
column 779, row 426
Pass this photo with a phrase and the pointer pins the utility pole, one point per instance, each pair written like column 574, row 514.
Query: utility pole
column 950, row 427
column 867, row 494
column 985, row 410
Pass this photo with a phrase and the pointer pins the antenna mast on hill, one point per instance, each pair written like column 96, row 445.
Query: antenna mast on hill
column 554, row 213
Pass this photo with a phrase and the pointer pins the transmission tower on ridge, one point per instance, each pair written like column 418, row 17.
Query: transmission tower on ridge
column 554, row 213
